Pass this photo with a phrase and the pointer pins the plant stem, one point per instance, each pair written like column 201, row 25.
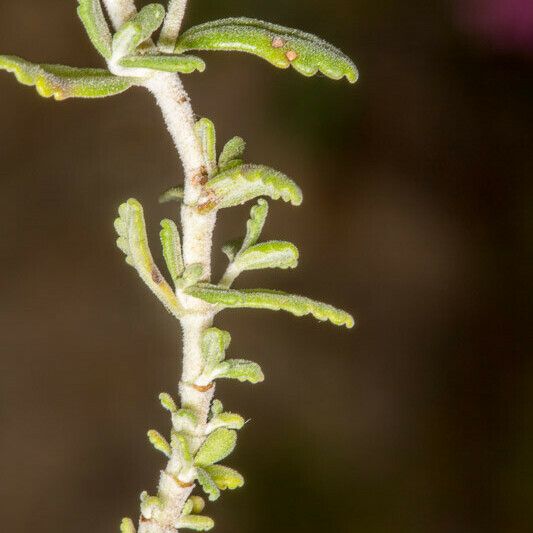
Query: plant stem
column 172, row 25
column 197, row 231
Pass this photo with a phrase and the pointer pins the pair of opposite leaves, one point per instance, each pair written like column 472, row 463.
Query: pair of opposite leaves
column 130, row 48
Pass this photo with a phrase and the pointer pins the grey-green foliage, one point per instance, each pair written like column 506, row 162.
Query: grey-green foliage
column 280, row 46
column 227, row 188
column 214, row 345
column 132, row 47
column 227, row 181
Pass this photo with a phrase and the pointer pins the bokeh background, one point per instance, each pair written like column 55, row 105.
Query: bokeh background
column 416, row 218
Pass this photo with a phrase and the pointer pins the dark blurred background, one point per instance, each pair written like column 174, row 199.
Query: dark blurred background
column 416, row 218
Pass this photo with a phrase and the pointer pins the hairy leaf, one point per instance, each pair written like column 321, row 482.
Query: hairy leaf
column 148, row 504
column 184, row 420
column 254, row 227
column 239, row 369
column 215, row 342
column 137, row 30
column 245, row 182
column 195, row 504
column 180, row 443
column 92, row 17
column 216, row 407
column 225, row 477
column 64, row 82
column 171, row 243
column 270, row 254
column 273, row 300
column 196, row 522
column 226, row 420
column 233, row 149
column 207, row 484
column 168, row 402
column 126, row 526
column 217, row 446
column 133, row 241
column 255, row 224
column 205, row 130
column 280, row 46
column 172, row 194
column 191, row 275
column 159, row 442
column 171, row 63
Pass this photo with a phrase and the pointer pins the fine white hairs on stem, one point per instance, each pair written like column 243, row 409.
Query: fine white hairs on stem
column 172, row 25
column 120, row 11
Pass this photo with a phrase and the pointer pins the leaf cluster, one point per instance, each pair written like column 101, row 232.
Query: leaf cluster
column 132, row 56
column 232, row 182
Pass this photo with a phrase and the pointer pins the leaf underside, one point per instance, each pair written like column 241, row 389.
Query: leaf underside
column 246, row 182
column 280, row 46
column 273, row 300
column 64, row 82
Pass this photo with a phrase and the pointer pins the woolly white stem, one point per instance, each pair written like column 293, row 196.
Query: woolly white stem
column 197, row 241
column 120, row 11
column 172, row 25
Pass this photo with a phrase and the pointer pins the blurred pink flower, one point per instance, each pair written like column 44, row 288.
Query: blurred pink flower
column 506, row 25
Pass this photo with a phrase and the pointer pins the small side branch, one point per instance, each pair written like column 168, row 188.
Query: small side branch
column 172, row 25
column 120, row 11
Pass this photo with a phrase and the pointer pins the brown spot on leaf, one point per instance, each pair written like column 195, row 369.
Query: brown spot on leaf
column 291, row 55
column 156, row 275
column 278, row 42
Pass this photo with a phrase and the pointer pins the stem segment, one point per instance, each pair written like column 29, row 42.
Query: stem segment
column 197, row 242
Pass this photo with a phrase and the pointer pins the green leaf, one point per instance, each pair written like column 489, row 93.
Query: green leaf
column 273, row 300
column 148, row 504
column 187, row 508
column 207, row 484
column 216, row 407
column 173, row 194
column 280, row 46
column 180, row 442
column 270, row 254
column 92, row 17
column 198, row 504
column 133, row 241
column 217, row 446
column 159, row 442
column 225, row 477
column 255, row 224
column 168, row 402
column 215, row 342
column 182, row 64
column 191, row 275
column 196, row 522
column 233, row 149
column 170, row 241
column 184, row 420
column 239, row 369
column 254, row 227
column 64, row 82
column 226, row 420
column 245, row 182
column 126, row 526
column 137, row 30
column 206, row 133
